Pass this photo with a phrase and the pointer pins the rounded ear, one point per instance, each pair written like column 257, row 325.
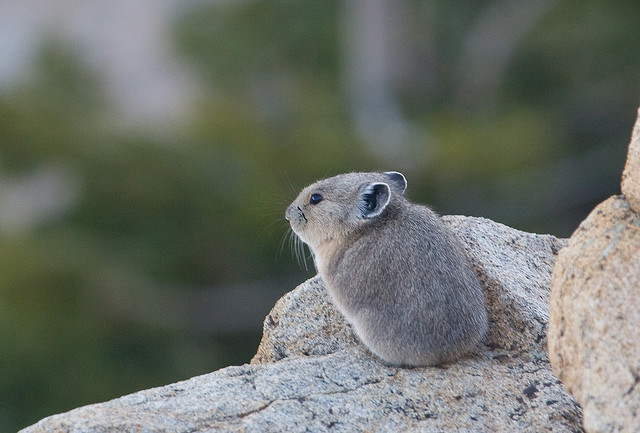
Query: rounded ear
column 398, row 180
column 374, row 198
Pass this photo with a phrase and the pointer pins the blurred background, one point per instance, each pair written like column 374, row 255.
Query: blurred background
column 148, row 150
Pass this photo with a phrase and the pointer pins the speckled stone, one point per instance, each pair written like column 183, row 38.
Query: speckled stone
column 594, row 335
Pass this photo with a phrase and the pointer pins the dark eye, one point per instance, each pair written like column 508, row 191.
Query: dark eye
column 315, row 198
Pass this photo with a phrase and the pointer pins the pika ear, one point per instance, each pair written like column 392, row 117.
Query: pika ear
column 398, row 180
column 374, row 198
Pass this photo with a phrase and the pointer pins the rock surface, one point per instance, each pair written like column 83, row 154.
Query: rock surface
column 594, row 337
column 631, row 173
column 311, row 374
column 347, row 391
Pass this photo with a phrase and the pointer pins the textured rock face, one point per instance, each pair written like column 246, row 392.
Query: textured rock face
column 311, row 374
column 631, row 174
column 347, row 391
column 594, row 337
column 304, row 322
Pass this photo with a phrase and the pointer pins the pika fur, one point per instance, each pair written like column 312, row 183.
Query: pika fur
column 393, row 269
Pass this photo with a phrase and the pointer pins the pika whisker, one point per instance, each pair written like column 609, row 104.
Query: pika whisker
column 297, row 248
column 286, row 237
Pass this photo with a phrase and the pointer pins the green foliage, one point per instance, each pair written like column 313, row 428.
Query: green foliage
column 481, row 149
column 242, row 41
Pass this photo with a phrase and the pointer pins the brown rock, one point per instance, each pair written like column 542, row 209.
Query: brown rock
column 631, row 173
column 594, row 332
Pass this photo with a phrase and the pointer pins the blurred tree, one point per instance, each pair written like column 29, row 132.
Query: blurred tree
column 162, row 262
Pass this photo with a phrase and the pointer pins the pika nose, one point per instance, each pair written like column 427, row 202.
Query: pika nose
column 294, row 213
column 288, row 215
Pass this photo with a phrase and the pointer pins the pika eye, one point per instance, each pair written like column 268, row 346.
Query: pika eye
column 315, row 198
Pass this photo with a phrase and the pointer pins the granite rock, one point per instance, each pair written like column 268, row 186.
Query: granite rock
column 348, row 391
column 594, row 335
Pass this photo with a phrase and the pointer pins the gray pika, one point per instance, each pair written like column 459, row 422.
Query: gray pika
column 394, row 270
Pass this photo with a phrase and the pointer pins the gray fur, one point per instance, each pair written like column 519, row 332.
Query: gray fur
column 395, row 271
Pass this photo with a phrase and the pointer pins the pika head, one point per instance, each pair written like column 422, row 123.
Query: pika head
column 334, row 208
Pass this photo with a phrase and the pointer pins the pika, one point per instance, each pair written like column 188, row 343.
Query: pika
column 394, row 270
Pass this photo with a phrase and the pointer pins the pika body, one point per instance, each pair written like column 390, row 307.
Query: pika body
column 399, row 276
